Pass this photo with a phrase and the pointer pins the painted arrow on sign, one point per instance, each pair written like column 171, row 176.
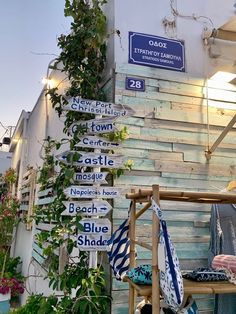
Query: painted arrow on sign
column 98, row 107
column 91, row 177
column 96, row 142
column 91, row 159
column 95, row 126
column 77, row 191
column 87, row 208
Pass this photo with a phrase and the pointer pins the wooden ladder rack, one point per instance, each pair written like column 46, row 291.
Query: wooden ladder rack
column 190, row 287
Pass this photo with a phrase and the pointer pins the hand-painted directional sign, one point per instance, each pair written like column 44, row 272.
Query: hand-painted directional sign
column 86, row 208
column 95, row 234
column 95, row 126
column 96, row 226
column 92, row 242
column 91, row 159
column 77, row 191
column 91, row 177
column 98, row 107
column 96, row 142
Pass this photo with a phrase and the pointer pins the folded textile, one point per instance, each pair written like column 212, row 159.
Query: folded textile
column 206, row 274
column 224, row 261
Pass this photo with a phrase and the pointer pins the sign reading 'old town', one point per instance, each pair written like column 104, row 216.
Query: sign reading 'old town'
column 91, row 177
column 87, row 208
column 98, row 107
column 77, row 191
column 96, row 142
column 91, row 159
column 95, row 126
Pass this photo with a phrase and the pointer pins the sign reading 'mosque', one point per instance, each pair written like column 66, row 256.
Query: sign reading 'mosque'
column 98, row 107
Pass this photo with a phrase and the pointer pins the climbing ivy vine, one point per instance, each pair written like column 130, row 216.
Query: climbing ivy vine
column 82, row 58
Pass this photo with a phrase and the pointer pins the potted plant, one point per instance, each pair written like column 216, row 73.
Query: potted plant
column 11, row 283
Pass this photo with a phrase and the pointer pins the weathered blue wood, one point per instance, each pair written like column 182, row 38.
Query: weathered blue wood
column 44, row 192
column 44, row 201
column 150, row 145
column 38, row 257
column 168, row 182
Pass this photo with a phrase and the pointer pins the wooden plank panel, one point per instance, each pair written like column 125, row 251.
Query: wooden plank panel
column 44, row 192
column 189, row 167
column 150, row 145
column 152, row 74
column 44, row 201
column 179, row 137
column 147, row 181
column 220, row 152
column 216, row 110
column 142, row 153
column 173, row 115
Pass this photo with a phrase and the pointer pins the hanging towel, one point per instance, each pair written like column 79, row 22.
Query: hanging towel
column 171, row 281
column 118, row 250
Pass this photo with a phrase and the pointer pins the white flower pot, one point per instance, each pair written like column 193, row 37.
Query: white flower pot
column 5, row 297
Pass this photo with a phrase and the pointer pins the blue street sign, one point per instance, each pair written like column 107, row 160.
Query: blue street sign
column 135, row 84
column 156, row 51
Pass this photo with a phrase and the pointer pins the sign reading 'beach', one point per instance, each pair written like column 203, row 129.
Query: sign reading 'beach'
column 98, row 107
column 86, row 208
column 156, row 51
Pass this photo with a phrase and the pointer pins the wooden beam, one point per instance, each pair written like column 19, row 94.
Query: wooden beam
column 155, row 268
column 221, row 137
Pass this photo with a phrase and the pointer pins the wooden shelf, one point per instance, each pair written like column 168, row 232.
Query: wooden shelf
column 186, row 196
column 190, row 287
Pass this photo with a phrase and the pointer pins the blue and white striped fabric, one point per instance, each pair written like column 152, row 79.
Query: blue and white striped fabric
column 118, row 250
column 171, row 281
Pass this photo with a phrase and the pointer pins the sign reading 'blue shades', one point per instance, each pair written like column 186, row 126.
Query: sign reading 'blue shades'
column 156, row 51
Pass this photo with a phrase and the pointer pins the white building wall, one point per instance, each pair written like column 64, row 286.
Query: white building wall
column 5, row 161
column 43, row 121
column 192, row 16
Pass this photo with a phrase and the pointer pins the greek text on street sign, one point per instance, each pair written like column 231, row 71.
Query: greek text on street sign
column 155, row 51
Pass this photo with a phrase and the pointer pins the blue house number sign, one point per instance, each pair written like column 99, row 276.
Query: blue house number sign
column 135, row 84
column 156, row 51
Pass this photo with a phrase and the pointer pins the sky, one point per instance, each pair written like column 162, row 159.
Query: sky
column 29, row 32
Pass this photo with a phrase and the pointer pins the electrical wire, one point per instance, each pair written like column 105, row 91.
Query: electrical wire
column 3, row 134
column 194, row 17
column 3, row 125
